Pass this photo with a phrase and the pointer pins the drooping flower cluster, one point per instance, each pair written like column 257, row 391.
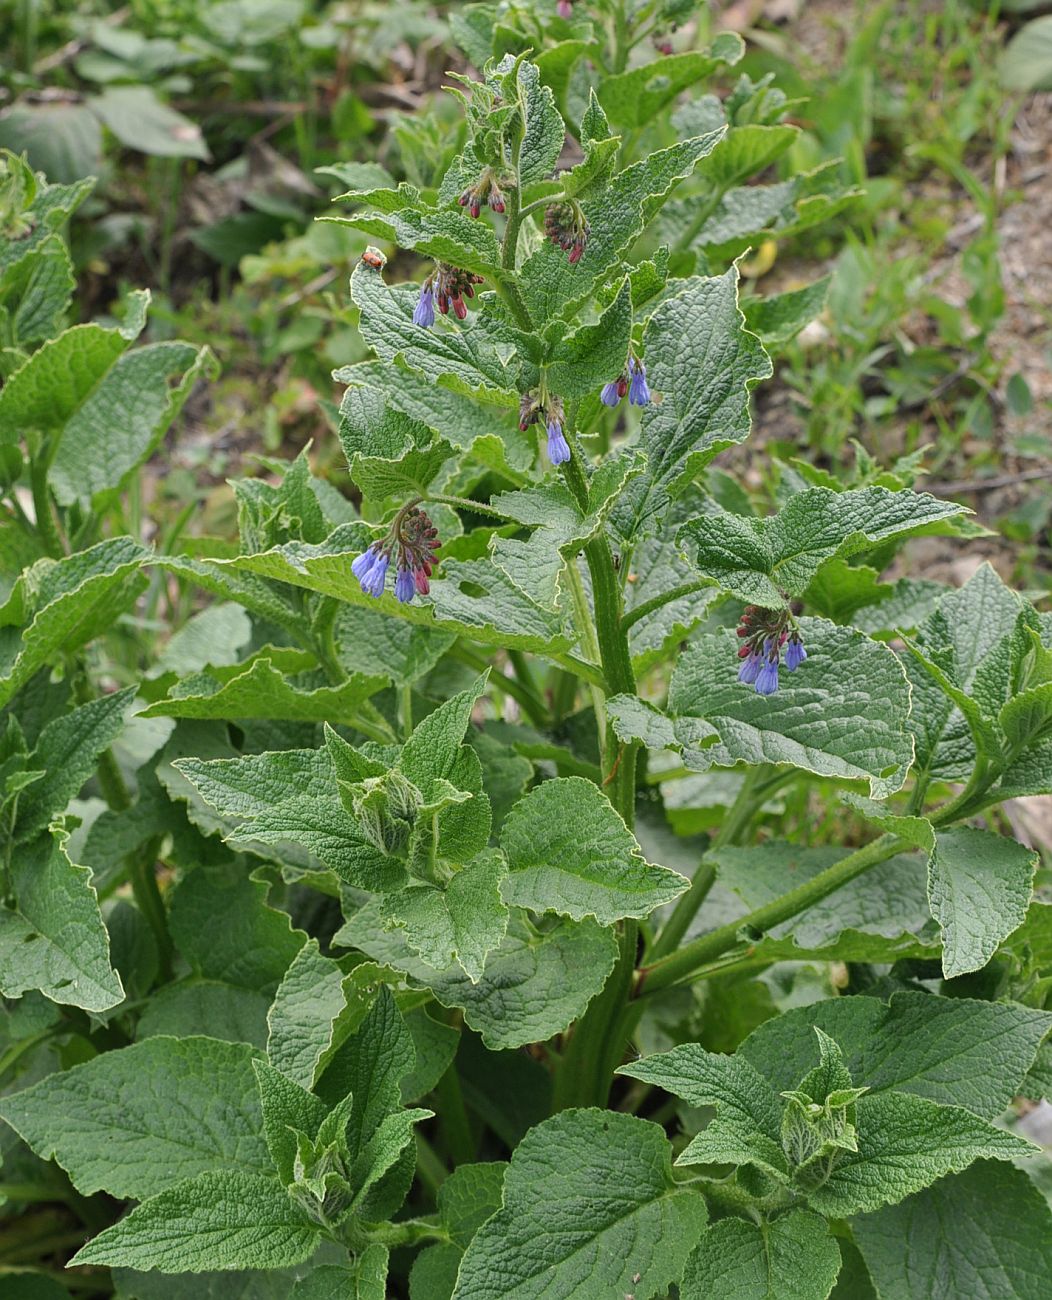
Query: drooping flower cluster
column 487, row 189
column 445, row 285
column 634, row 384
column 764, row 633
column 536, row 407
column 411, row 541
column 564, row 8
column 566, row 226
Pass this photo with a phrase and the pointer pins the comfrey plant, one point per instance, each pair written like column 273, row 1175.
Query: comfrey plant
column 560, row 873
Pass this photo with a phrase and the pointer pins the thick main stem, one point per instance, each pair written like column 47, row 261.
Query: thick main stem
column 599, row 1038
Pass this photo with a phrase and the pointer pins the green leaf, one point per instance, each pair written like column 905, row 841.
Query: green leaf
column 276, row 682
column 543, row 132
column 368, row 642
column 468, row 1197
column 617, row 216
column 210, row 1007
column 761, row 560
column 471, row 597
column 792, row 1258
column 985, row 1233
column 905, row 1143
column 66, row 752
column 57, row 605
column 461, row 923
column 462, row 359
column 842, row 714
column 365, row 1279
column 1026, row 63
column 218, row 1220
column 532, row 986
column 633, row 99
column 704, row 363
column 954, row 1051
column 221, row 924
column 316, row 1008
column 980, row 885
column 54, row 940
column 780, row 317
column 288, row 1112
column 449, row 235
column 292, row 796
column 140, row 121
column 36, row 291
column 49, row 391
column 573, row 1225
column 594, row 354
column 140, row 1119
column 51, row 208
column 747, row 1127
column 749, row 212
column 569, row 851
column 121, row 421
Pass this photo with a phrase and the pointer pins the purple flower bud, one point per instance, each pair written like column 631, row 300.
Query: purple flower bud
column 558, row 447
column 767, row 677
column 610, row 396
column 373, row 582
column 795, row 654
column 638, row 392
column 405, row 585
column 750, row 669
column 424, row 313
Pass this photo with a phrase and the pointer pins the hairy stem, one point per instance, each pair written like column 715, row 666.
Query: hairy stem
column 664, row 598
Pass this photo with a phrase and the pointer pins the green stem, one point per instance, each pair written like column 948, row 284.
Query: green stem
column 406, row 707
column 430, row 1168
column 532, row 703
column 148, row 900
column 466, row 503
column 681, row 965
column 664, row 598
column 738, row 817
column 47, row 529
column 458, row 1139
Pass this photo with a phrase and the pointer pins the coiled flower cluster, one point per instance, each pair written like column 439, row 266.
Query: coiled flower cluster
column 764, row 634
column 411, row 542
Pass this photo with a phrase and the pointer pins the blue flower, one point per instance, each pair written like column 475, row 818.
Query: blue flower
column 364, row 563
column 767, row 678
column 374, row 579
column 405, row 585
column 610, row 396
column 558, row 447
column 424, row 313
column 638, row 392
column 750, row 668
column 795, row 654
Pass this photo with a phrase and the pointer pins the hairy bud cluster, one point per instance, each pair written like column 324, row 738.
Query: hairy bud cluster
column 487, row 189
column 566, row 226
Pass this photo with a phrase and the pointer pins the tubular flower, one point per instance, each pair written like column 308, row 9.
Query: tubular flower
column 541, row 407
column 424, row 314
column 558, row 447
column 564, row 8
column 795, row 654
column 638, row 391
column 614, row 391
column 763, row 633
column 567, row 227
column 413, row 540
